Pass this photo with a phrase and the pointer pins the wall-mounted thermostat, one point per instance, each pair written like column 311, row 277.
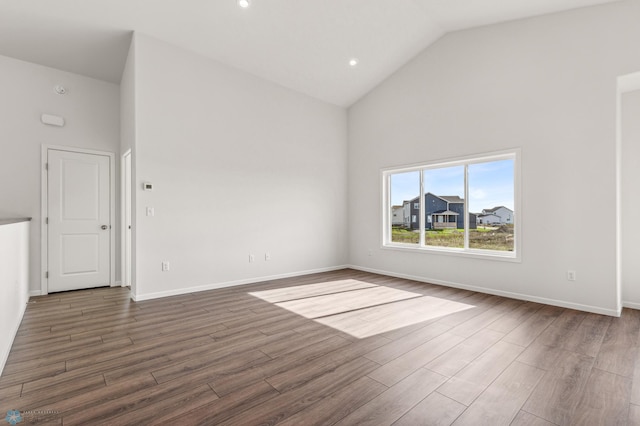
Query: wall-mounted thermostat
column 147, row 186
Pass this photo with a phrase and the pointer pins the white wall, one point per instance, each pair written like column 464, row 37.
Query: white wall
column 546, row 85
column 128, row 102
column 239, row 166
column 128, row 141
column 14, row 283
column 91, row 111
column 630, row 191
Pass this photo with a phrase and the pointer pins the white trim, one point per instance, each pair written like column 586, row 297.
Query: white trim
column 482, row 157
column 5, row 355
column 112, row 214
column 629, row 82
column 123, row 221
column 625, row 83
column 33, row 293
column 618, row 215
column 44, row 184
column 451, row 251
column 44, row 212
column 519, row 296
column 177, row 292
column 421, row 213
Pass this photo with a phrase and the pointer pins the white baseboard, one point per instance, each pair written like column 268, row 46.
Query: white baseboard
column 519, row 296
column 631, row 305
column 35, row 293
column 512, row 295
column 177, row 292
column 5, row 352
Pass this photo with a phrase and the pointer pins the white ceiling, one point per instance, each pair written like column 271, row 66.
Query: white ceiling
column 304, row 45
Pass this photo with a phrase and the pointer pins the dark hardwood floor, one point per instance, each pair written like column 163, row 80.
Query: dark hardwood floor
column 342, row 348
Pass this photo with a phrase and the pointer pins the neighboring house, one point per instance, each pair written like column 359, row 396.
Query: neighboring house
column 397, row 215
column 497, row 215
column 488, row 219
column 441, row 212
column 409, row 214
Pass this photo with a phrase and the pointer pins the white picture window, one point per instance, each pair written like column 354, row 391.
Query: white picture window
column 468, row 206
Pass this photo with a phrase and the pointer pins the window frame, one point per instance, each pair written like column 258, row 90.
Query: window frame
column 511, row 256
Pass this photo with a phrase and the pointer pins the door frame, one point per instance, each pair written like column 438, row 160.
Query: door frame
column 44, row 211
column 123, row 217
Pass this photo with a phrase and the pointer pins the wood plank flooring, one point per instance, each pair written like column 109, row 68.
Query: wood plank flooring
column 342, row 348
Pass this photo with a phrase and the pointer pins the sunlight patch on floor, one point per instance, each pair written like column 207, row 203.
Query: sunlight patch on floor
column 358, row 308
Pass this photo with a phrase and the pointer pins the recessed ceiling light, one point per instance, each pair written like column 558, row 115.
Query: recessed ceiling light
column 243, row 3
column 353, row 62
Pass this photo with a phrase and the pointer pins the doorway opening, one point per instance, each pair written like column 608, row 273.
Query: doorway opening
column 127, row 202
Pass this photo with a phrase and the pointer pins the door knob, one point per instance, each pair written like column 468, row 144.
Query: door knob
column 104, row 227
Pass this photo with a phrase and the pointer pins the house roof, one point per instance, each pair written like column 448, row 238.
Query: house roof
column 451, row 198
column 497, row 208
column 447, row 198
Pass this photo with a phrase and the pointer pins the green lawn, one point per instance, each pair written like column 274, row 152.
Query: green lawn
column 445, row 238
column 488, row 238
column 401, row 235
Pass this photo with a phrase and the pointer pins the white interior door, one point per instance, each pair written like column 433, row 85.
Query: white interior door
column 78, row 196
column 127, row 218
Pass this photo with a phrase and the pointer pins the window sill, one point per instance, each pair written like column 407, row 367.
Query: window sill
column 474, row 254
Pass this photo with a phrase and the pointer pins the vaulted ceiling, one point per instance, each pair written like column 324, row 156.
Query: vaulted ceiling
column 304, row 45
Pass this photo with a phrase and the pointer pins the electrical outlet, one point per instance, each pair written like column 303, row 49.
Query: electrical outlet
column 252, row 258
column 571, row 275
column 370, row 252
column 151, row 211
column 165, row 266
column 267, row 256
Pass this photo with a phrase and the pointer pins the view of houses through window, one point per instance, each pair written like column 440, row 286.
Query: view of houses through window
column 442, row 217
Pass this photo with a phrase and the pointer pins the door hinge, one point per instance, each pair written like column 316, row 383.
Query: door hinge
column 46, row 220
column 46, row 274
column 46, row 166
